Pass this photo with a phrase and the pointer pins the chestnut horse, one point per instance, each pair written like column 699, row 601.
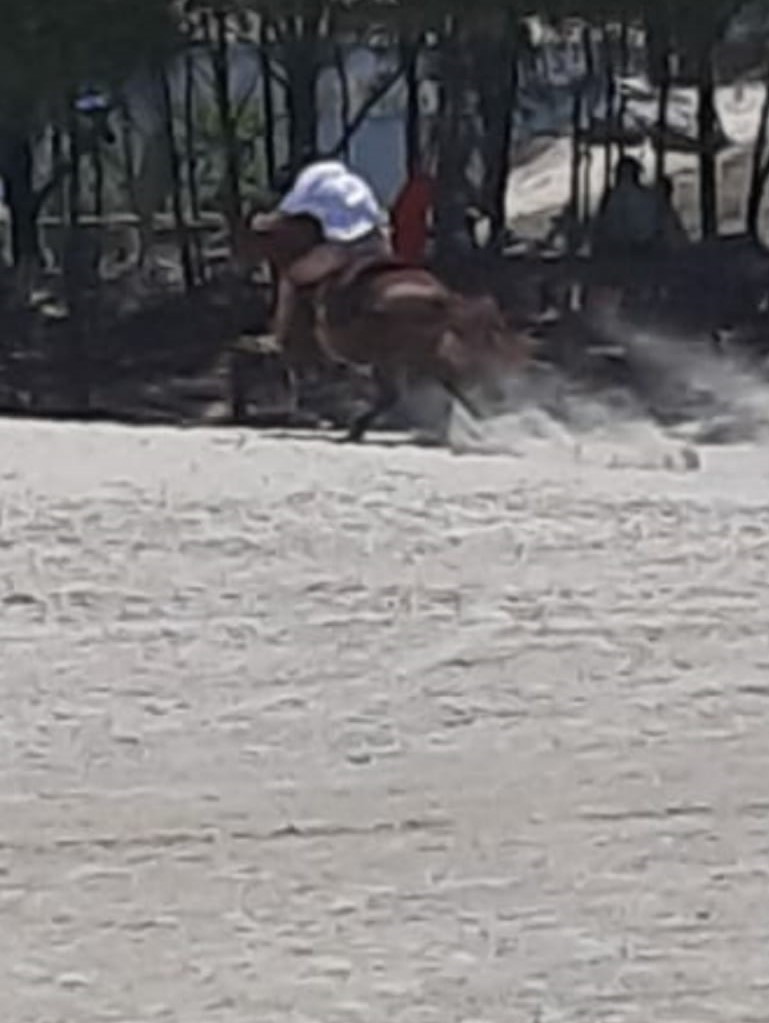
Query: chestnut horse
column 374, row 311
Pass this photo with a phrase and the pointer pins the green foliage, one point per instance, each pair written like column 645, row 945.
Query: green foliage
column 249, row 132
column 49, row 49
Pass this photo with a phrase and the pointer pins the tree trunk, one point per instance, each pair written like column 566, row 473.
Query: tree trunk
column 302, row 113
column 268, row 104
column 575, row 204
column 301, row 37
column 497, row 81
column 75, row 268
column 221, row 65
column 707, row 121
column 74, row 194
column 657, row 43
column 16, row 169
column 610, row 114
column 182, row 231
column 410, row 59
column 587, row 180
column 190, row 154
column 344, row 98
column 97, row 168
column 624, row 63
column 759, row 168
column 191, row 160
column 588, row 110
column 501, row 175
column 129, row 156
column 660, row 142
column 57, row 160
column 449, row 193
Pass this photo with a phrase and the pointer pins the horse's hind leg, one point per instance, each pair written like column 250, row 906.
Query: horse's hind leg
column 387, row 396
column 293, row 388
column 454, row 392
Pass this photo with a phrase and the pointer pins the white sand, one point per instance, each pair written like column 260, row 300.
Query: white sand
column 297, row 732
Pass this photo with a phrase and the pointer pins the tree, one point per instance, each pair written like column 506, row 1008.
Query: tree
column 696, row 28
column 49, row 51
column 213, row 24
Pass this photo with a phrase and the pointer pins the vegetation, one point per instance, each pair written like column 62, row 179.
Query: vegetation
column 50, row 52
column 142, row 106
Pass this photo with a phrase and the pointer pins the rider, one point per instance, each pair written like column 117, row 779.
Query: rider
column 343, row 203
column 635, row 228
column 626, row 223
column 352, row 224
column 351, row 218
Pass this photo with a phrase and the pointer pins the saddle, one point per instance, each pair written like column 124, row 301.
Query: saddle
column 327, row 263
column 341, row 282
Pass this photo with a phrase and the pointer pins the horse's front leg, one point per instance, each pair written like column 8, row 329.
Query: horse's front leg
column 386, row 398
column 293, row 388
column 457, row 394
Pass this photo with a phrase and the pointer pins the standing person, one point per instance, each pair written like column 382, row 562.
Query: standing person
column 411, row 214
column 624, row 239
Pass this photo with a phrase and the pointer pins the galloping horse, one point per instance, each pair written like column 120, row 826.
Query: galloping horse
column 378, row 312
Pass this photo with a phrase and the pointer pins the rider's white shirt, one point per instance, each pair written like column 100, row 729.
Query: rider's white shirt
column 342, row 201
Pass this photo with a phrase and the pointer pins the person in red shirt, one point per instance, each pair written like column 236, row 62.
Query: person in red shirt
column 410, row 217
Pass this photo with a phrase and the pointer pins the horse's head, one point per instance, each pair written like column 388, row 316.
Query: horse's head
column 276, row 238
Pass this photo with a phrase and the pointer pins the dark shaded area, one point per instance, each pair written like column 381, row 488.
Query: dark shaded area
column 206, row 356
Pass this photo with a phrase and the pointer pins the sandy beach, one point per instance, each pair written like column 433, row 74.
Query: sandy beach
column 291, row 731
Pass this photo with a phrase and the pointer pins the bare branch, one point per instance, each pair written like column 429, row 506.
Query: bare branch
column 360, row 117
